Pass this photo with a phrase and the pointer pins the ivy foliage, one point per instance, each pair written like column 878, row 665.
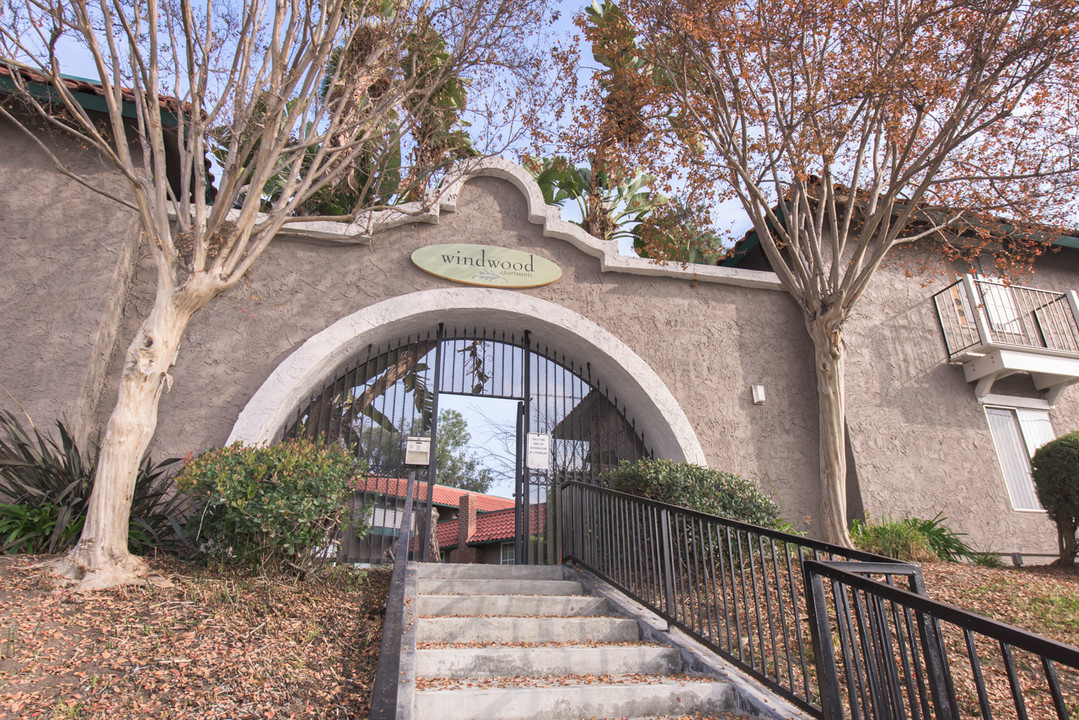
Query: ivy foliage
column 270, row 507
column 1056, row 480
column 697, row 488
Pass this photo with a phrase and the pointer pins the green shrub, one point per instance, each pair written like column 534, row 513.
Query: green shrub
column 946, row 544
column 1056, row 480
column 899, row 539
column 696, row 488
column 917, row 540
column 988, row 559
column 45, row 487
column 25, row 529
column 268, row 507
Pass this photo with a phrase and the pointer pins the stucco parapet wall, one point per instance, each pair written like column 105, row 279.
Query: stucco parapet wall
column 539, row 213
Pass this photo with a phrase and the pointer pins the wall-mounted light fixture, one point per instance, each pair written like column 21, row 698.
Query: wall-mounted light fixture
column 758, row 394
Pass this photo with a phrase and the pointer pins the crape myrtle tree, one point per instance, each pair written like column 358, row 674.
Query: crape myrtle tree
column 306, row 104
column 844, row 127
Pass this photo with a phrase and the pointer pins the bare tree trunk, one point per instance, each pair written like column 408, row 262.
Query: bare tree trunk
column 826, row 335
column 433, row 552
column 101, row 558
column 1068, row 547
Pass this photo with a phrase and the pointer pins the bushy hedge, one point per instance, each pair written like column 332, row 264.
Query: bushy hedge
column 697, row 488
column 268, row 507
column 1056, row 480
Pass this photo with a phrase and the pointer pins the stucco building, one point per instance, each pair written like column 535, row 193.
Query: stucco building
column 667, row 355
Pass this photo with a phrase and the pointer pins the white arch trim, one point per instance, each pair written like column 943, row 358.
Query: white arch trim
column 646, row 397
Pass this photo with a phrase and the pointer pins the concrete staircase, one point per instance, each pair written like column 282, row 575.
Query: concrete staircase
column 523, row 642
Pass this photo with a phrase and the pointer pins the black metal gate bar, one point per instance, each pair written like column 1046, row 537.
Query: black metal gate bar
column 519, row 487
column 432, row 470
column 374, row 400
column 522, row 536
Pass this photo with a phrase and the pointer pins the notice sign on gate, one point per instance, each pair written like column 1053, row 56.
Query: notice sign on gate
column 538, row 451
column 418, row 451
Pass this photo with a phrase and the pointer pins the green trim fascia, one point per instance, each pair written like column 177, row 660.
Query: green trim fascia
column 752, row 240
column 89, row 101
column 744, row 248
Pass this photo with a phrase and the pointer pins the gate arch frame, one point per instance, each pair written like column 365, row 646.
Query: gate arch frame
column 643, row 393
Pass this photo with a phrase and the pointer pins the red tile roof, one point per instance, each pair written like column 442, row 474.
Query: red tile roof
column 79, row 85
column 443, row 494
column 492, row 527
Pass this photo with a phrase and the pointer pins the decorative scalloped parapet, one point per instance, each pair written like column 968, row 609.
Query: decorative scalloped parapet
column 539, row 213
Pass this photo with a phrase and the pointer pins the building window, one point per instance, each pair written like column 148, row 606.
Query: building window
column 507, row 553
column 1017, row 433
column 389, row 518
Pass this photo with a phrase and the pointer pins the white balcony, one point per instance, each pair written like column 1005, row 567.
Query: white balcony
column 995, row 330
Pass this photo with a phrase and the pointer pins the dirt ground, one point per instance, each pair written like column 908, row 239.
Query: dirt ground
column 212, row 645
column 226, row 645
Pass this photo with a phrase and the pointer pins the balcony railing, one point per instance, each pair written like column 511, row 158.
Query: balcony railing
column 977, row 314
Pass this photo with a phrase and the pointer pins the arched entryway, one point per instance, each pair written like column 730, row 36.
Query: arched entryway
column 375, row 377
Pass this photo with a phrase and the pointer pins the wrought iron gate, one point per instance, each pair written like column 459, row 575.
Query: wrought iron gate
column 375, row 400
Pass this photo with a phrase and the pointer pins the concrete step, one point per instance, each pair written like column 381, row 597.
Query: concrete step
column 489, row 572
column 540, row 661
column 502, row 586
column 572, row 702
column 526, row 629
column 517, row 605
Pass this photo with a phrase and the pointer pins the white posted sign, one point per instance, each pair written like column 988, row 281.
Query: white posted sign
column 538, row 451
column 418, row 451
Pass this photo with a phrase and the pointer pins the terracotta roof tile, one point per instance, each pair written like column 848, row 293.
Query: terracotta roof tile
column 491, row 527
column 443, row 494
column 80, row 85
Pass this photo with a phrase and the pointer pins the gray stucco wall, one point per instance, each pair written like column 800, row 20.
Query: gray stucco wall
column 708, row 342
column 67, row 253
column 920, row 440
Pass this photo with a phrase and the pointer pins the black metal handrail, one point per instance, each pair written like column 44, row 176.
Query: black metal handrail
column 902, row 654
column 733, row 586
column 387, row 683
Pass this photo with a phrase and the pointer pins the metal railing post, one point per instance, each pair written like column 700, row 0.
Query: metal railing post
column 1073, row 303
column 936, row 662
column 977, row 309
column 831, row 701
column 668, row 562
column 384, row 694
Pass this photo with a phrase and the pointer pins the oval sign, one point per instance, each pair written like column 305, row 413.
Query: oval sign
column 486, row 265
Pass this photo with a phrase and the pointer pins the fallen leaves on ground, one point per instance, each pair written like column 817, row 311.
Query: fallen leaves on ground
column 213, row 645
column 1041, row 599
column 519, row 681
column 473, row 644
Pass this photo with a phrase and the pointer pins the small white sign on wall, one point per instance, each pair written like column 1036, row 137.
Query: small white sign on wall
column 418, row 451
column 538, row 451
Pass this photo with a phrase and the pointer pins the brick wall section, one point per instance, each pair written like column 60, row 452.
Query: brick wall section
column 467, row 555
column 466, row 528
